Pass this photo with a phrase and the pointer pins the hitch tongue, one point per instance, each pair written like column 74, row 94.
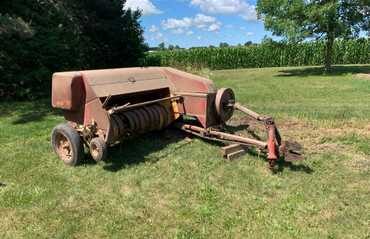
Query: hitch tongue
column 291, row 151
column 272, row 155
column 247, row 111
column 274, row 146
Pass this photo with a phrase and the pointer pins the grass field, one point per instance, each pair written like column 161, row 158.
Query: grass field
column 163, row 186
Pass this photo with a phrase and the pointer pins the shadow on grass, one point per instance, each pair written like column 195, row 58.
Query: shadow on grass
column 144, row 148
column 282, row 165
column 27, row 112
column 317, row 71
column 147, row 149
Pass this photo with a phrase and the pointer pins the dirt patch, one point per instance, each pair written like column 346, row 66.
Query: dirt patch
column 321, row 136
column 246, row 126
column 358, row 162
column 317, row 137
column 329, row 147
column 363, row 76
column 126, row 190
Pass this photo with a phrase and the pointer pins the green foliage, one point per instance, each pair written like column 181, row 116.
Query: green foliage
column 269, row 54
column 299, row 19
column 329, row 19
column 41, row 37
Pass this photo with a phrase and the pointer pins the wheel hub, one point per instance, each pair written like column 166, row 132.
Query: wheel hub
column 64, row 148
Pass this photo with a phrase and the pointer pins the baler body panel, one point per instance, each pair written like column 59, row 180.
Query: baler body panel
column 114, row 82
column 186, row 82
column 198, row 95
column 82, row 94
column 67, row 91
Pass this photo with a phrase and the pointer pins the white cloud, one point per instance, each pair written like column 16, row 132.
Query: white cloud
column 200, row 21
column 146, row 6
column 247, row 33
column 173, row 23
column 158, row 36
column 239, row 7
column 153, row 28
column 214, row 27
column 189, row 33
column 178, row 31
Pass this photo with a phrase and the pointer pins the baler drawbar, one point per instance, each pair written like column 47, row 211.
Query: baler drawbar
column 106, row 107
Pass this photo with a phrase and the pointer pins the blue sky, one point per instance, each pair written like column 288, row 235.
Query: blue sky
column 190, row 23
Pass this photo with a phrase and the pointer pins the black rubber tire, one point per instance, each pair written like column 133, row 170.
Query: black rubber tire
column 98, row 149
column 64, row 132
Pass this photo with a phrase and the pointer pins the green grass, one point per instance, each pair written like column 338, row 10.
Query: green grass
column 162, row 186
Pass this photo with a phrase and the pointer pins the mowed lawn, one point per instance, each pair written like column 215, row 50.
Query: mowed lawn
column 163, row 185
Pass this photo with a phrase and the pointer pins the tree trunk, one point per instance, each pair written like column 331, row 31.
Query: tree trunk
column 329, row 51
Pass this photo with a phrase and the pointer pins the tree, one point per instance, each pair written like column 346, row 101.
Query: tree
column 321, row 19
column 224, row 44
column 162, row 46
column 131, row 45
column 40, row 37
column 267, row 40
column 248, row 43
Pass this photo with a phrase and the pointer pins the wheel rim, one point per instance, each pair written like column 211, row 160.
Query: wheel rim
column 63, row 148
column 225, row 99
column 94, row 151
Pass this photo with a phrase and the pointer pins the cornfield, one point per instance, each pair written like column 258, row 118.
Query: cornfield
column 263, row 55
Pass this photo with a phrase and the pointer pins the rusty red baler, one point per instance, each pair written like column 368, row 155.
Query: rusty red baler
column 105, row 107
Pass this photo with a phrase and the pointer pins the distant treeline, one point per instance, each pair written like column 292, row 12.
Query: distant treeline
column 39, row 37
column 267, row 54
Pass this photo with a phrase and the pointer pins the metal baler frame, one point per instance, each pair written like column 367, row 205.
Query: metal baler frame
column 103, row 107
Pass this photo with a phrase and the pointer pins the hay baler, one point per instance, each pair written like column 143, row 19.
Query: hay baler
column 105, row 107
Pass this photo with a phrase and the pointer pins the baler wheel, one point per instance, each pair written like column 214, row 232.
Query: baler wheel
column 224, row 102
column 67, row 144
column 98, row 149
